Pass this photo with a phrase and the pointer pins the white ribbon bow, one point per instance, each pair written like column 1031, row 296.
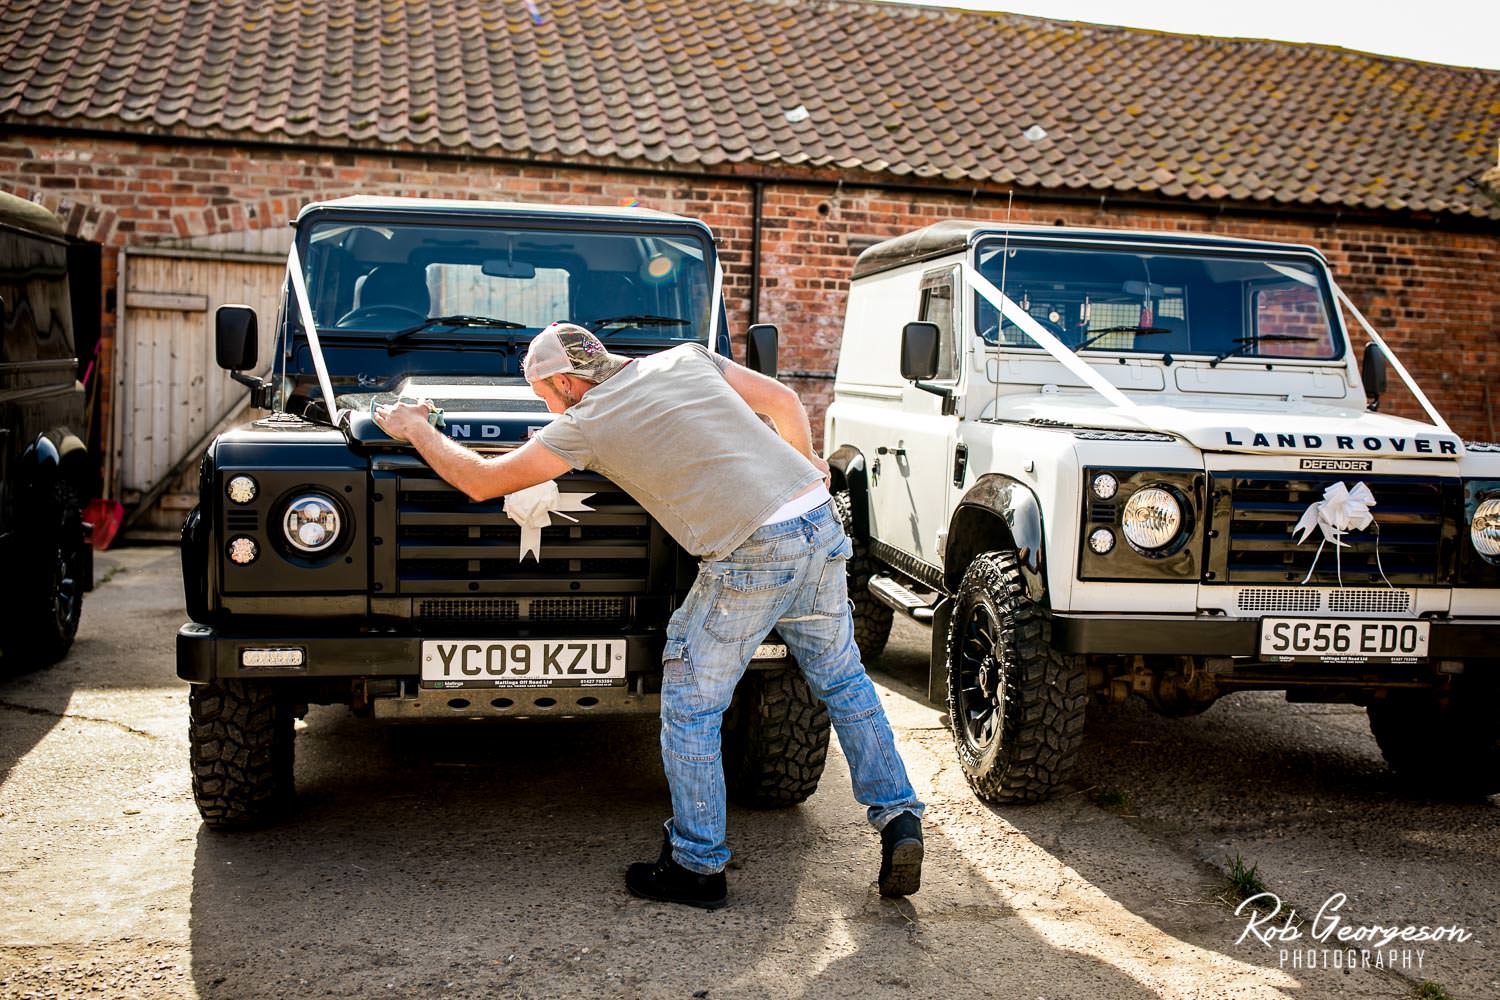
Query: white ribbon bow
column 1340, row 510
column 533, row 507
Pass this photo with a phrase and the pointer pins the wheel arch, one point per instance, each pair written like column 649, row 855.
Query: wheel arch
column 847, row 466
column 997, row 512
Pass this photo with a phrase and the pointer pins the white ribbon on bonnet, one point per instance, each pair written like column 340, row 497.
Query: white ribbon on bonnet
column 533, row 507
column 1340, row 510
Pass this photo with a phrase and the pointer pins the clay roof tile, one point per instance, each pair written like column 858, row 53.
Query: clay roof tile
column 905, row 91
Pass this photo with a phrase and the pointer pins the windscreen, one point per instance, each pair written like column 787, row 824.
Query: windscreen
column 385, row 278
column 1179, row 303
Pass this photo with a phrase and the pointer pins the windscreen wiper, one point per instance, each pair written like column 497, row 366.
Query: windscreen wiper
column 1245, row 343
column 427, row 324
column 595, row 325
column 1109, row 330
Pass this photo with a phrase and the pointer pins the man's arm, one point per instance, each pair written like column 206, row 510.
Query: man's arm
column 479, row 477
column 782, row 405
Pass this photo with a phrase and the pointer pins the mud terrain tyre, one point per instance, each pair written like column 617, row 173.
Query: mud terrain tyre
column 1450, row 749
column 1016, row 705
column 240, row 741
column 47, row 586
column 872, row 620
column 775, row 740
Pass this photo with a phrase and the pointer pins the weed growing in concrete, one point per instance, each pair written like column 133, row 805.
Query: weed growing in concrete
column 1110, row 798
column 1244, row 882
column 1432, row 991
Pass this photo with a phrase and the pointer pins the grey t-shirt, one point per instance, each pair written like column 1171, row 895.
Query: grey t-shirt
column 670, row 431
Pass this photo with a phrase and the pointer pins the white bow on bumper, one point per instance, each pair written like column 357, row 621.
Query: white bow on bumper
column 1340, row 510
column 533, row 507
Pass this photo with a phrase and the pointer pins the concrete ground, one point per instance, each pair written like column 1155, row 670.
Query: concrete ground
column 487, row 861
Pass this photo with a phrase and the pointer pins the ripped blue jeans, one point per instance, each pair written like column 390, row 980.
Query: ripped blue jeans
column 789, row 576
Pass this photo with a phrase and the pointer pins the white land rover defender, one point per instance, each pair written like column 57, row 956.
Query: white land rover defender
column 1107, row 463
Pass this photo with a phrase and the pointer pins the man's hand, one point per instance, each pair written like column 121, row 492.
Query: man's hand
column 402, row 420
column 822, row 467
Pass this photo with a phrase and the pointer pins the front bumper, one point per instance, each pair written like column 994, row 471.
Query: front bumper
column 1217, row 635
column 205, row 654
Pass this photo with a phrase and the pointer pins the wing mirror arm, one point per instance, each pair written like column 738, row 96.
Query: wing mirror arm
column 920, row 343
column 236, row 344
column 1372, row 373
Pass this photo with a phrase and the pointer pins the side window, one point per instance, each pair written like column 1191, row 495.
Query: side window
column 936, row 306
column 33, row 298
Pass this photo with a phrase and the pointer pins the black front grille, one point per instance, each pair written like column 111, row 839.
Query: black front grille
column 1411, row 542
column 540, row 609
column 448, row 544
column 463, row 609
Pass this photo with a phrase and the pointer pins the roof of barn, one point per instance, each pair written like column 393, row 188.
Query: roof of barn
column 897, row 91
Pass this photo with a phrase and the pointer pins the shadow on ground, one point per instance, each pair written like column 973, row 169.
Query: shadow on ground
column 488, row 861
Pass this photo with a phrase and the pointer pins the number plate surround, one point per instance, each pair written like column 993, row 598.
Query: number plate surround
column 451, row 664
column 1343, row 640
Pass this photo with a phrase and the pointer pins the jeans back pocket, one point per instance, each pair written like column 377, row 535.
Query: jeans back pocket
column 748, row 601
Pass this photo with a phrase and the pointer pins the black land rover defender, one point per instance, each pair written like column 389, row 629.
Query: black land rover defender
column 45, row 469
column 326, row 563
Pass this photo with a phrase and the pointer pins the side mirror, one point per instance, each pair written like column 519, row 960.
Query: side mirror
column 236, row 337
column 762, row 343
column 919, row 351
column 1372, row 372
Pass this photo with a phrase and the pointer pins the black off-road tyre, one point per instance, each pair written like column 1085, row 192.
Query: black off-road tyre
column 1016, row 705
column 46, row 584
column 775, row 740
column 872, row 620
column 1448, row 749
column 240, row 741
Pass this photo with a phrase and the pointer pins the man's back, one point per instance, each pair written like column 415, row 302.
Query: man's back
column 674, row 434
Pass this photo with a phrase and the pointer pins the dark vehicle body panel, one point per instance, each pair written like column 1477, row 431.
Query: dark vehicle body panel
column 418, row 560
column 42, row 429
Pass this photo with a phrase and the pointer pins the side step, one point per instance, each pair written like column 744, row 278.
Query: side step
column 895, row 595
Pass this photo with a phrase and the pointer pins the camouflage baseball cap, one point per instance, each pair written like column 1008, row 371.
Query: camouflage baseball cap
column 569, row 349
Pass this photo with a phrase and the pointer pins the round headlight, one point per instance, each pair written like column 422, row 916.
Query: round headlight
column 1105, row 486
column 311, row 523
column 242, row 489
column 242, row 550
column 1484, row 530
column 1152, row 518
column 1101, row 540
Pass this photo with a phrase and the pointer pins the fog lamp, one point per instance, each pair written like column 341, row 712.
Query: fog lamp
column 242, row 489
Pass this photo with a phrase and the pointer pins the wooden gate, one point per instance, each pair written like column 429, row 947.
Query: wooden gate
column 171, row 396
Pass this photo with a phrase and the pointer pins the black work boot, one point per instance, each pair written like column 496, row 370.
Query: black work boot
column 668, row 882
column 901, row 856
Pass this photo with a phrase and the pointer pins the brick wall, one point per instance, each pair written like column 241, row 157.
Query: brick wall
column 1434, row 293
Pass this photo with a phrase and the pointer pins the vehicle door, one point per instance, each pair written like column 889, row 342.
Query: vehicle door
column 912, row 470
